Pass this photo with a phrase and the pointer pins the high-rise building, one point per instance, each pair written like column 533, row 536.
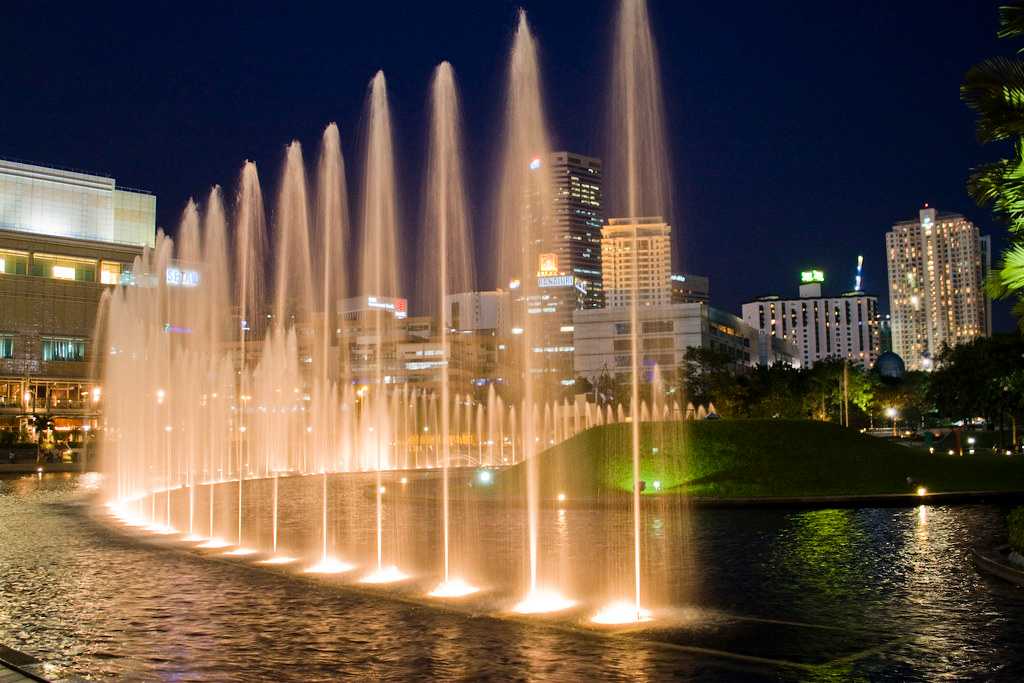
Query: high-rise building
column 821, row 327
column 575, row 228
column 637, row 252
column 937, row 268
column 65, row 236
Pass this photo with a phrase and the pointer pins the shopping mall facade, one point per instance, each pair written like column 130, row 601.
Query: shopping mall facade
column 65, row 237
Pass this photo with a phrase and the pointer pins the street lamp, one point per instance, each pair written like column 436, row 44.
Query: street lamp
column 891, row 412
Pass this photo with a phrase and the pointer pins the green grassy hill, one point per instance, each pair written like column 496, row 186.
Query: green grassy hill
column 748, row 458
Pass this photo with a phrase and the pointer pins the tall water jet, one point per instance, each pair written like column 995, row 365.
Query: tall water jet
column 639, row 170
column 293, row 290
column 448, row 252
column 379, row 278
column 250, row 260
column 524, row 202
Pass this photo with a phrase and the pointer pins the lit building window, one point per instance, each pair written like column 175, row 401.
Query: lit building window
column 55, row 349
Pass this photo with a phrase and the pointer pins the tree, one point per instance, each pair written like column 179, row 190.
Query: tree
column 707, row 376
column 994, row 89
column 981, row 379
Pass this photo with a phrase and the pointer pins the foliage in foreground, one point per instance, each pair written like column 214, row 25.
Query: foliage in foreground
column 1015, row 522
column 994, row 89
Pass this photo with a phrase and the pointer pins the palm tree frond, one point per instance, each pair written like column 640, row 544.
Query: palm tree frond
column 995, row 90
column 1011, row 21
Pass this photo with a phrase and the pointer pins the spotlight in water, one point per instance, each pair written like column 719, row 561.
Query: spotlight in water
column 389, row 574
column 277, row 559
column 543, row 600
column 214, row 543
column 453, row 588
column 329, row 565
column 241, row 552
column 621, row 612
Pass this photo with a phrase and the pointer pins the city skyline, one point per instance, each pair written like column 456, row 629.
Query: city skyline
column 734, row 183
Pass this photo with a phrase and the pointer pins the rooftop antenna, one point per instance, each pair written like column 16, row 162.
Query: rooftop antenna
column 860, row 270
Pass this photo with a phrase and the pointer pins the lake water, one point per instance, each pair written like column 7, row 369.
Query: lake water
column 877, row 594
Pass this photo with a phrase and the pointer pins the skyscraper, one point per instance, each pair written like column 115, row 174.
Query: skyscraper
column 937, row 268
column 652, row 239
column 575, row 229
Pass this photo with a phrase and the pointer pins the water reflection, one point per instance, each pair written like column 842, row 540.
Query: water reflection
column 851, row 594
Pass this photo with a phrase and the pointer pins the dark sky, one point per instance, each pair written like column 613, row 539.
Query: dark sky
column 799, row 130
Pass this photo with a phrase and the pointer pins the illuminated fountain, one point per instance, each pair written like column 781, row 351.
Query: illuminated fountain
column 449, row 242
column 638, row 163
column 238, row 410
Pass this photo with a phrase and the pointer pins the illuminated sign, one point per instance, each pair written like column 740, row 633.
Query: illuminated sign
column 400, row 307
column 548, row 264
column 809, row 276
column 180, row 277
column 555, row 281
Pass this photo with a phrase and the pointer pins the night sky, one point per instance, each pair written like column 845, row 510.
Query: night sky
column 799, row 130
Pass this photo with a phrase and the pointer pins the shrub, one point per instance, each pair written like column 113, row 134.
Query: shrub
column 1015, row 522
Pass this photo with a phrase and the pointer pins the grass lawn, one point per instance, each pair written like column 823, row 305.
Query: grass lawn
column 754, row 458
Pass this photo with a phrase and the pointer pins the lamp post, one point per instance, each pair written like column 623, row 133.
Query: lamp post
column 891, row 412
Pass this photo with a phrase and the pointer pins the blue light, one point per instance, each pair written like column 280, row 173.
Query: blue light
column 485, row 477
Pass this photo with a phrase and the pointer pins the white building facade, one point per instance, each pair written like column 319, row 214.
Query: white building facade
column 820, row 327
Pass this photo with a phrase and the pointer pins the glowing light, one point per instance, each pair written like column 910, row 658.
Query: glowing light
column 214, row 544
column 921, row 491
column 388, row 574
column 241, row 552
column 277, row 559
column 485, row 476
column 162, row 529
column 329, row 565
column 64, row 272
column 971, row 440
column 96, row 393
column 160, row 394
column 621, row 612
column 535, row 164
column 657, row 485
column 561, row 497
column 403, row 481
column 541, row 601
column 193, row 538
column 453, row 588
column 382, row 489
